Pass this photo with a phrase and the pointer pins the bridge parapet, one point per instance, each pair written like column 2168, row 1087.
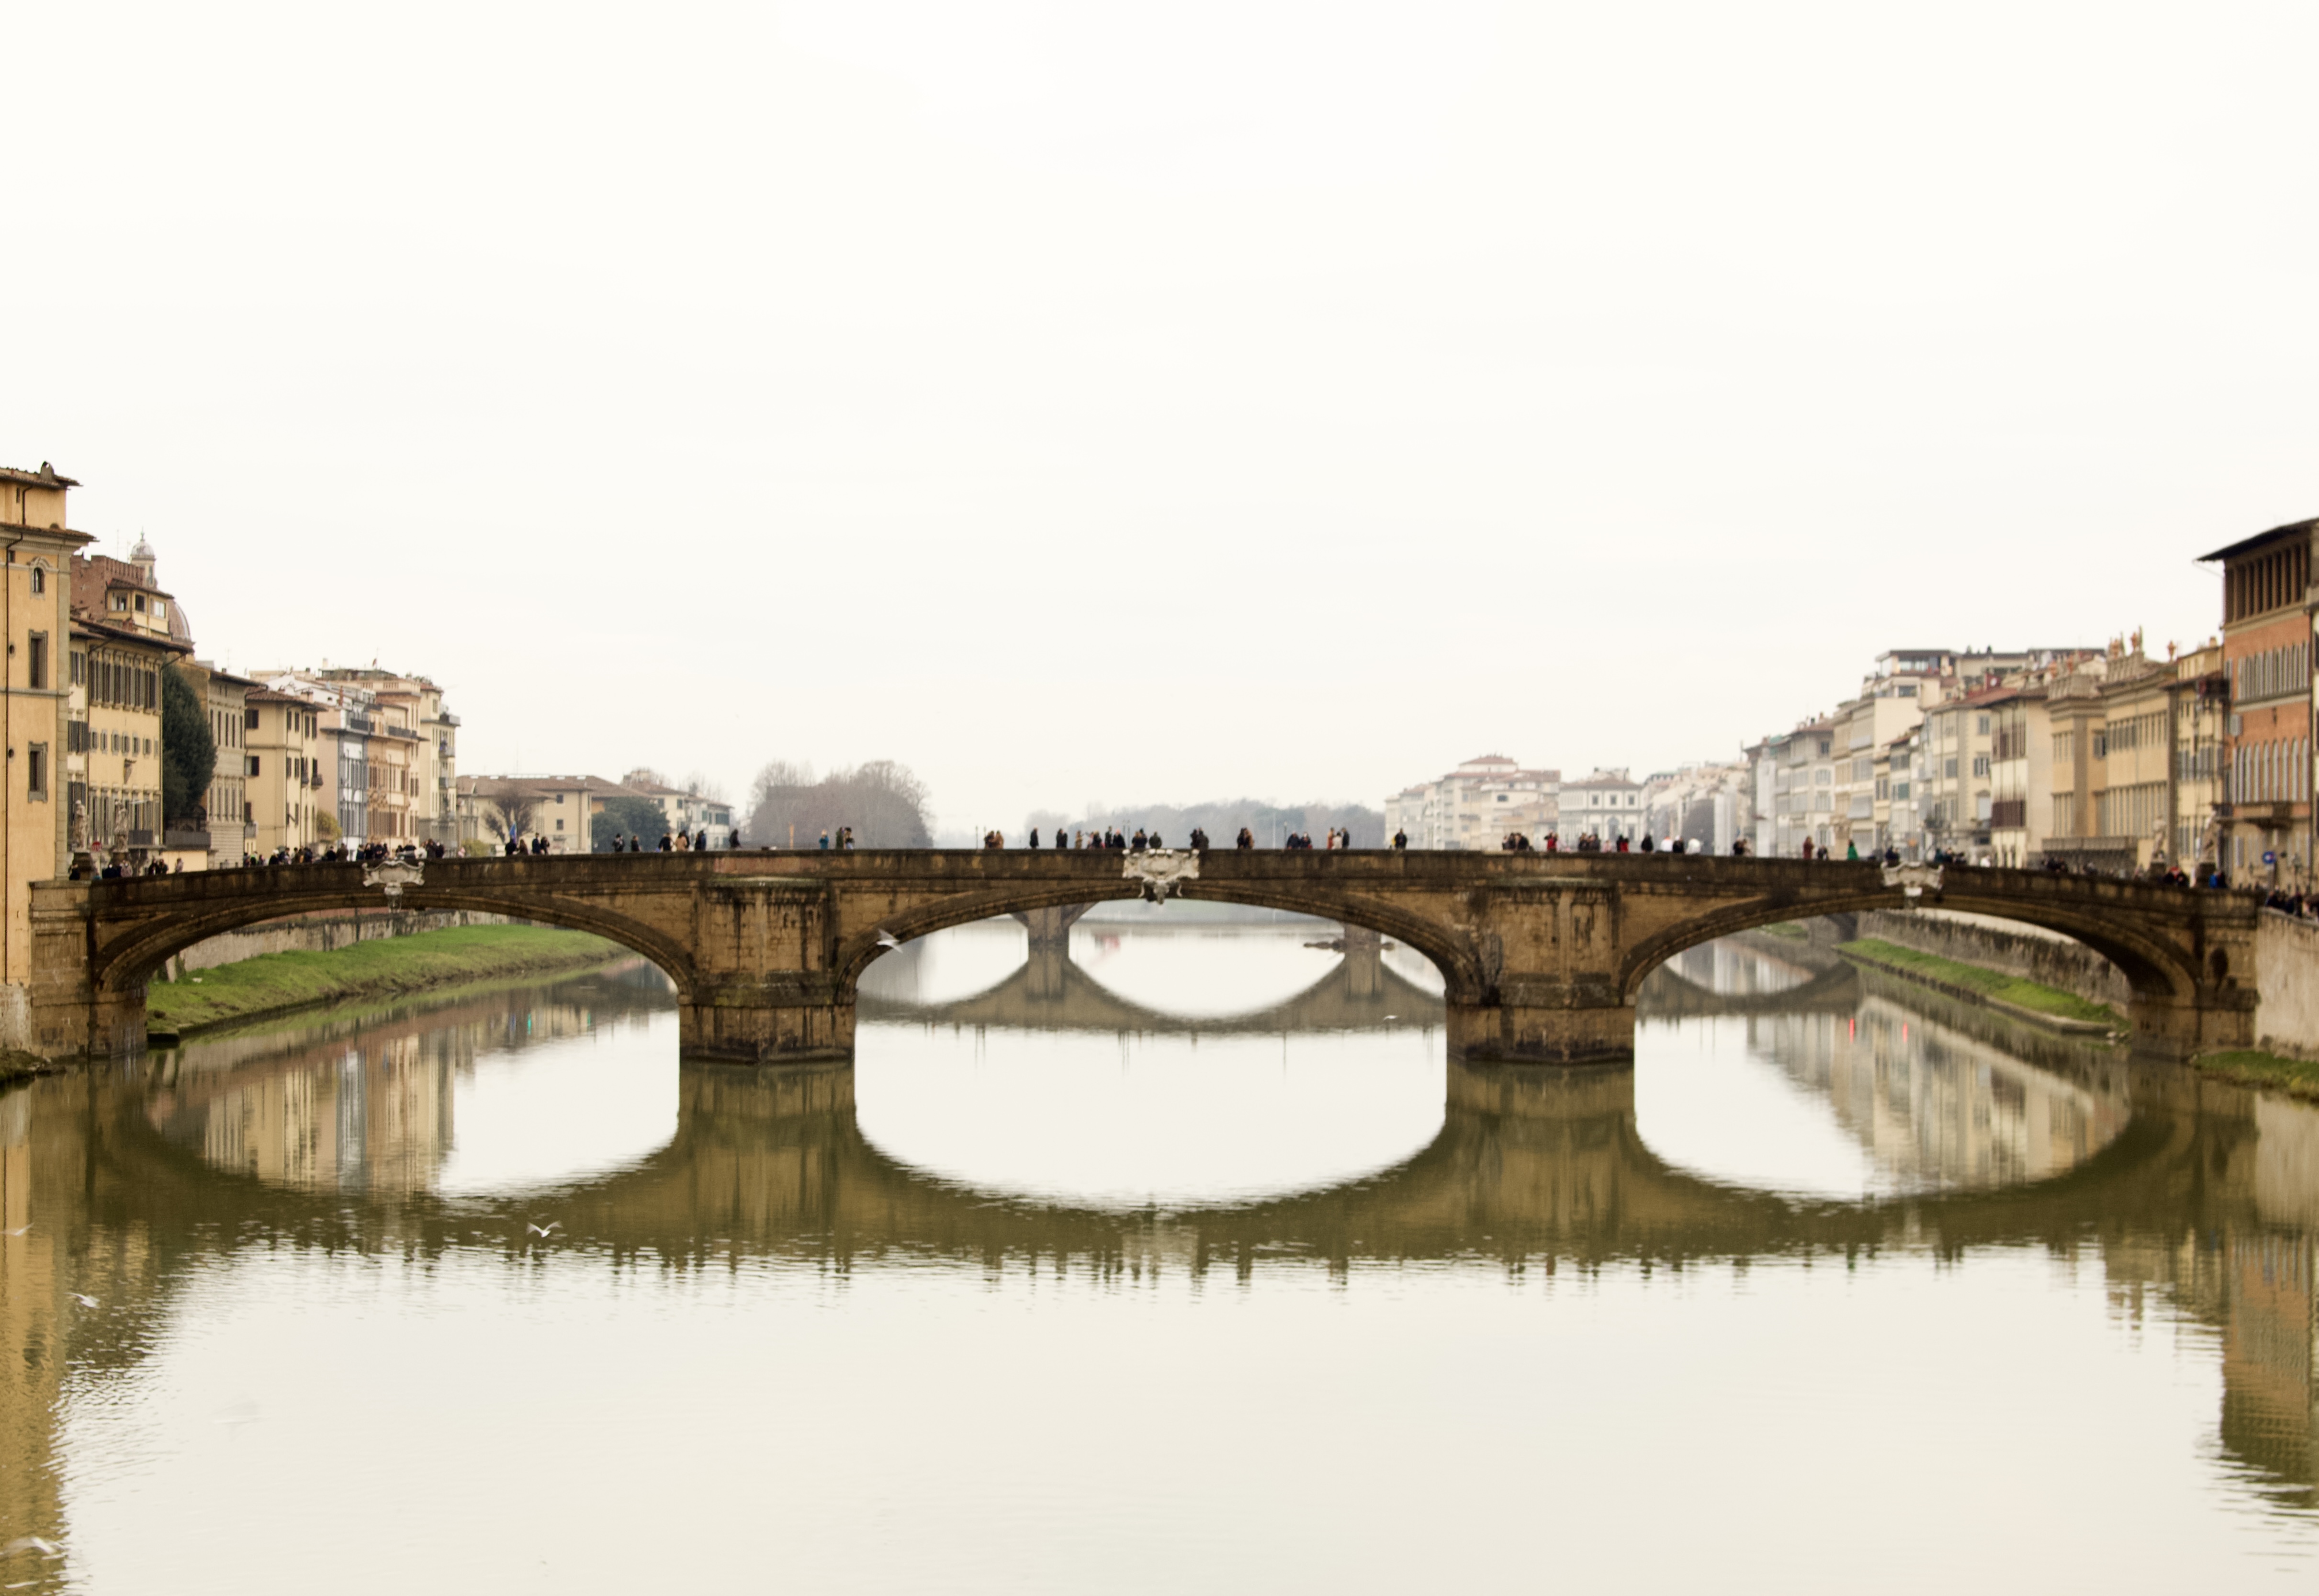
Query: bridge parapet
column 1540, row 954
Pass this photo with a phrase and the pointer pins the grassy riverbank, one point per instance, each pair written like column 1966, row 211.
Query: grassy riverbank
column 2250, row 1067
column 279, row 983
column 1999, row 989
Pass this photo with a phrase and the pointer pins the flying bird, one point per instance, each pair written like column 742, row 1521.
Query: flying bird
column 19, row 1230
column 887, row 939
column 32, row 1543
column 553, row 1224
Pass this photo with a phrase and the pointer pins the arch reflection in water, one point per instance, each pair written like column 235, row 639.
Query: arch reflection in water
column 771, row 1221
column 1847, row 1090
column 485, row 1094
column 1274, row 1065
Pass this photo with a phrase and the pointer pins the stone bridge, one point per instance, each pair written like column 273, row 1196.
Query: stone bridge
column 1540, row 954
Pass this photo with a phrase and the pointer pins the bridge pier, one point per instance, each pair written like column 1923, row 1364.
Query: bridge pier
column 797, row 1019
column 2211, row 1021
column 1052, row 927
column 1523, row 1033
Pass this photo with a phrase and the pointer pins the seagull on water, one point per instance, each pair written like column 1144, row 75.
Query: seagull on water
column 32, row 1543
column 553, row 1224
column 84, row 1299
column 887, row 939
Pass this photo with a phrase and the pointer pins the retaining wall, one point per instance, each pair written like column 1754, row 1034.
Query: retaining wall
column 2287, row 974
column 2045, row 957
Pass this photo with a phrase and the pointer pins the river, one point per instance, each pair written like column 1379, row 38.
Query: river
column 1183, row 1262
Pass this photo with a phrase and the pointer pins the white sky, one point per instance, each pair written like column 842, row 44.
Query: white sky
column 1166, row 402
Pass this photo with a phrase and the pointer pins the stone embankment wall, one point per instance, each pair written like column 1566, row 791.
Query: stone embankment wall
column 316, row 933
column 2287, row 974
column 2035, row 954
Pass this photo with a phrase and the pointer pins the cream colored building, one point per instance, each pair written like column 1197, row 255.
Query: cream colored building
column 1475, row 806
column 227, row 810
column 282, row 755
column 124, row 632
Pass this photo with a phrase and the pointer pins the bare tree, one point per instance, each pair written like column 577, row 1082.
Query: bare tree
column 700, row 784
column 510, row 813
column 884, row 803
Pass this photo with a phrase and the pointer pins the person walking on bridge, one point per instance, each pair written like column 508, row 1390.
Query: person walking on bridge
column 1399, row 841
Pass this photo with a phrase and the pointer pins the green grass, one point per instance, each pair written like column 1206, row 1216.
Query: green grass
column 2253, row 1067
column 1788, row 929
column 273, row 982
column 1990, row 983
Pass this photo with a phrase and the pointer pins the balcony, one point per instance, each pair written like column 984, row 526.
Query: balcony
column 174, row 836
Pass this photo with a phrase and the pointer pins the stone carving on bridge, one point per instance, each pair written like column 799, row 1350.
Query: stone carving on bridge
column 394, row 875
column 1912, row 879
column 1162, row 870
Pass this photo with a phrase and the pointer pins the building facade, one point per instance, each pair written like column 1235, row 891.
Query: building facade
column 1478, row 804
column 2266, row 639
column 46, row 778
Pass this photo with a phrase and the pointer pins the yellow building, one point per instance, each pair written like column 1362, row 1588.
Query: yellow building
column 282, row 773
column 35, row 610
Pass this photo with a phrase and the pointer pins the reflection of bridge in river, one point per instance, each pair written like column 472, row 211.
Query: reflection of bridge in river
column 2205, row 1192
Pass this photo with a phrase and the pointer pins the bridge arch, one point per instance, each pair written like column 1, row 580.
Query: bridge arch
column 123, row 967
column 2150, row 967
column 1460, row 970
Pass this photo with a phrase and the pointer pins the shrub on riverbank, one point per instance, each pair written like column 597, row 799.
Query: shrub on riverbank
column 274, row 983
column 2253, row 1067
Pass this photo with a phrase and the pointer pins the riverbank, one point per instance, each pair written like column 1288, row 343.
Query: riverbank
column 283, row 983
column 2010, row 994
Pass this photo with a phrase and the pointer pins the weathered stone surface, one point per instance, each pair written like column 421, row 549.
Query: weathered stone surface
column 1540, row 954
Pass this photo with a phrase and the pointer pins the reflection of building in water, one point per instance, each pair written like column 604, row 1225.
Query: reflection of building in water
column 1935, row 1106
column 1729, row 967
column 370, row 1109
column 376, row 1119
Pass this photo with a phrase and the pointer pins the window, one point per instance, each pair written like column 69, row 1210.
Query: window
column 1981, row 728
column 119, row 603
column 253, row 764
column 140, row 603
column 36, row 660
column 79, row 668
column 1981, row 764
column 39, row 582
column 36, row 771
column 559, row 825
column 1949, row 769
column 75, row 737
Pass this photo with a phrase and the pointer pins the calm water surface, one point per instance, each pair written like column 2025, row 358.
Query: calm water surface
column 1185, row 1262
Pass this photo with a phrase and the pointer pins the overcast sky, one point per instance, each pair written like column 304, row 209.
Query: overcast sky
column 1156, row 403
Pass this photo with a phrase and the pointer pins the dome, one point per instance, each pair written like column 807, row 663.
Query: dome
column 142, row 554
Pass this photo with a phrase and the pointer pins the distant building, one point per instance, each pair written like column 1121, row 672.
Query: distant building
column 1477, row 806
column 687, row 810
column 282, row 779
column 1606, row 804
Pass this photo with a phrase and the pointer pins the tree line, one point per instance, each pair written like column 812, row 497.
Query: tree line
column 883, row 801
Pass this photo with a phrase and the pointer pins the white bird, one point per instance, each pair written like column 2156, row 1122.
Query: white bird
column 32, row 1543
column 84, row 1299
column 887, row 939
column 1393, row 1016
column 553, row 1224
column 19, row 1230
